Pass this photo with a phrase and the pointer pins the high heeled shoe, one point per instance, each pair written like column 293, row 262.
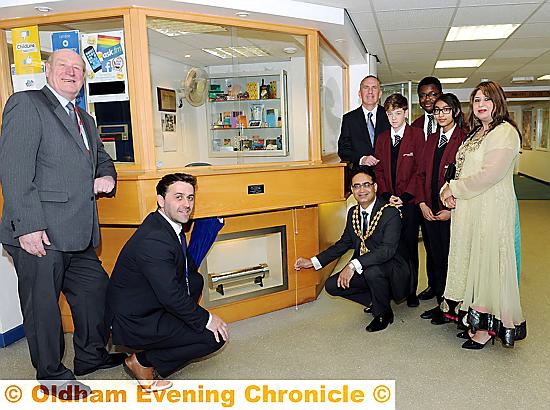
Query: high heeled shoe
column 473, row 345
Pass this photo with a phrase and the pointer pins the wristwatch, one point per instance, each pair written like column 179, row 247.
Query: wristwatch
column 351, row 266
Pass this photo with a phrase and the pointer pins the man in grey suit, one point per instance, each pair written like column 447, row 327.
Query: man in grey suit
column 52, row 166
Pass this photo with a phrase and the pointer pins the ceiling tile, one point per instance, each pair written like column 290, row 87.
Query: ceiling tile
column 485, row 46
column 413, row 19
column 531, row 30
column 426, row 35
column 472, row 16
column 363, row 21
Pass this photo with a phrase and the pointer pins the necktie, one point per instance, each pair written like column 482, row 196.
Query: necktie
column 370, row 127
column 396, row 140
column 184, row 249
column 365, row 221
column 442, row 141
column 72, row 115
column 430, row 124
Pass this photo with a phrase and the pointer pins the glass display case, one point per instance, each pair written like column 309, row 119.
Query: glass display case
column 247, row 115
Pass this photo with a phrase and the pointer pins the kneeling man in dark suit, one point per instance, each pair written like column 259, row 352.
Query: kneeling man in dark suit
column 376, row 273
column 153, row 293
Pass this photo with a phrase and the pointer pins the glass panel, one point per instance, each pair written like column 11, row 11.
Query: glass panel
column 409, row 90
column 240, row 94
column 332, row 100
column 105, row 92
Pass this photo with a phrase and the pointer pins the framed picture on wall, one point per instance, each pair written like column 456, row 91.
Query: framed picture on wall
column 166, row 99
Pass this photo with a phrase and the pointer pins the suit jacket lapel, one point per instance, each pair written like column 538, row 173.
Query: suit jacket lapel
column 170, row 231
column 60, row 112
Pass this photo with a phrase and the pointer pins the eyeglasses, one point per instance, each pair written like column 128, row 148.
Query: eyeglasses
column 431, row 95
column 366, row 185
column 446, row 110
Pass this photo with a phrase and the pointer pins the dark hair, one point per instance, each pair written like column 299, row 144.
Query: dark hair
column 370, row 76
column 170, row 179
column 452, row 101
column 429, row 81
column 364, row 169
column 395, row 101
column 500, row 108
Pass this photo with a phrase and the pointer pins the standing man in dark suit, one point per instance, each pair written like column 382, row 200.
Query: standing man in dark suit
column 376, row 272
column 361, row 127
column 153, row 294
column 52, row 166
column 399, row 150
column 429, row 89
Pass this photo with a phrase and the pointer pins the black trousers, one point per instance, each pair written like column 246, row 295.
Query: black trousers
column 439, row 234
column 408, row 243
column 84, row 282
column 176, row 344
column 372, row 286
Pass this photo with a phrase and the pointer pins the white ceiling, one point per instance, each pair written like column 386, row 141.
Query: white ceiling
column 407, row 36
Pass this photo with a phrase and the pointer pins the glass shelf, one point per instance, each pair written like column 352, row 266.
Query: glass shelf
column 268, row 134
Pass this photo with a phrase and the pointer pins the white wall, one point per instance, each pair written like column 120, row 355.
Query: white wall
column 536, row 164
column 10, row 312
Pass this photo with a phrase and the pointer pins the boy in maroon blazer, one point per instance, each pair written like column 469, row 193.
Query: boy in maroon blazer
column 399, row 150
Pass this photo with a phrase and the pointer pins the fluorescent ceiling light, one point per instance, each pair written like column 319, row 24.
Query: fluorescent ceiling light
column 544, row 77
column 240, row 51
column 459, row 63
column 523, row 79
column 465, row 33
column 453, row 80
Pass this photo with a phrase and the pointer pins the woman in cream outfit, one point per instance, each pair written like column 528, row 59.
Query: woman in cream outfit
column 482, row 279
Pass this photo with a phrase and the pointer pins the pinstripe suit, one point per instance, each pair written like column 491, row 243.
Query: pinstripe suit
column 47, row 178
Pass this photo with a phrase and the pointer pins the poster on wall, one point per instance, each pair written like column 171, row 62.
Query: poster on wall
column 27, row 72
column 24, row 82
column 69, row 39
column 106, row 78
column 169, row 136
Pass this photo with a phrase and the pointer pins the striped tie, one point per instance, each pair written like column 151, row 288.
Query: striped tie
column 442, row 141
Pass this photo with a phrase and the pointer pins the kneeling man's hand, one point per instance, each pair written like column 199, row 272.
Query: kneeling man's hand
column 344, row 277
column 219, row 328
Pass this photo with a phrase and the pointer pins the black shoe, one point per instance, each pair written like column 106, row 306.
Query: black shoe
column 65, row 389
column 463, row 335
column 412, row 301
column 113, row 360
column 473, row 345
column 368, row 309
column 380, row 322
column 428, row 314
column 521, row 331
column 426, row 294
column 439, row 318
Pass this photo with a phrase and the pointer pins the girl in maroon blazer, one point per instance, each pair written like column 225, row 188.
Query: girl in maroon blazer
column 398, row 150
column 439, row 151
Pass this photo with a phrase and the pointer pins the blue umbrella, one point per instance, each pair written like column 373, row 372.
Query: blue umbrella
column 203, row 236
